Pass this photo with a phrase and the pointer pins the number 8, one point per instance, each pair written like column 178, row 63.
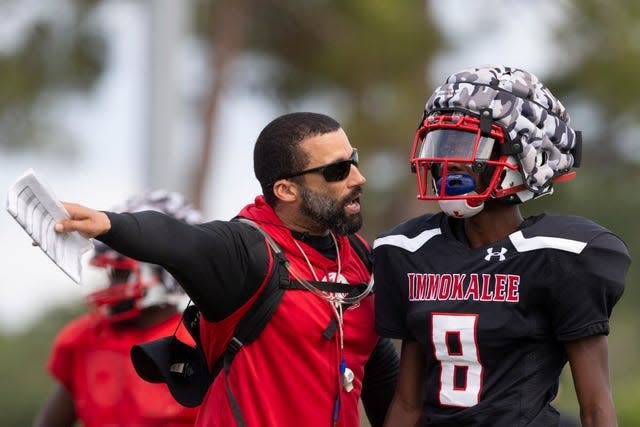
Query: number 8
column 454, row 338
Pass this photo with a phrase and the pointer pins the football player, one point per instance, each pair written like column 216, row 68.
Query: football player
column 489, row 305
column 139, row 302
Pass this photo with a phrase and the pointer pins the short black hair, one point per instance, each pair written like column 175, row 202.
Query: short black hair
column 277, row 154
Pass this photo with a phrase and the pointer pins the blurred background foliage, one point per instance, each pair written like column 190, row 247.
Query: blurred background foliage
column 371, row 59
column 54, row 55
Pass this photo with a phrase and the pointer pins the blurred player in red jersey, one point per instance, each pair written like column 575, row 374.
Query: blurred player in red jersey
column 97, row 384
column 491, row 305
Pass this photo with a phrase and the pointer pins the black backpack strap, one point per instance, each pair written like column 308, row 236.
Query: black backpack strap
column 256, row 318
column 336, row 288
column 250, row 327
column 363, row 250
column 259, row 314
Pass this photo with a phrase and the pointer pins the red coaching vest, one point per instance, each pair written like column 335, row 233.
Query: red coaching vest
column 291, row 374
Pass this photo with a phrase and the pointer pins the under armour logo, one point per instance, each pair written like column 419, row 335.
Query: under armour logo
column 500, row 254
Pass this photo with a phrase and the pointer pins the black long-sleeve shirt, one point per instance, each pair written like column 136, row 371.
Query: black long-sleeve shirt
column 220, row 265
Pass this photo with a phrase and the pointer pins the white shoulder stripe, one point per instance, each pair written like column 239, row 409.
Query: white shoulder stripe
column 406, row 243
column 523, row 244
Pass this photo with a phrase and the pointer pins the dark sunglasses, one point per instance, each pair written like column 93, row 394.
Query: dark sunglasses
column 333, row 172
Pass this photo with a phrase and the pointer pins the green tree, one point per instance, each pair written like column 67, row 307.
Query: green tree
column 56, row 53
column 601, row 42
column 368, row 58
column 23, row 356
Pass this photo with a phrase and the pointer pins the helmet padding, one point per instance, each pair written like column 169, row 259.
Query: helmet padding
column 527, row 111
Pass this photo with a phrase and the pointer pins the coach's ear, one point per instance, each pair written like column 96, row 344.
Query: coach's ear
column 286, row 190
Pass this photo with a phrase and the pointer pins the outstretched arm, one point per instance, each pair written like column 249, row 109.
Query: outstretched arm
column 589, row 361
column 216, row 263
column 147, row 236
column 88, row 222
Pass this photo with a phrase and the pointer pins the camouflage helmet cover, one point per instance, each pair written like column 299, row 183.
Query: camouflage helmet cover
column 524, row 107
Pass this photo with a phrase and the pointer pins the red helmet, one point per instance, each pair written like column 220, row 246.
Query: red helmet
column 131, row 285
column 121, row 286
column 449, row 138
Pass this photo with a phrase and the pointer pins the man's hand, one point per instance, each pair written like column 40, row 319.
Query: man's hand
column 88, row 222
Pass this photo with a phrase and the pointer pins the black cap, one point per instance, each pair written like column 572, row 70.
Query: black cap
column 181, row 367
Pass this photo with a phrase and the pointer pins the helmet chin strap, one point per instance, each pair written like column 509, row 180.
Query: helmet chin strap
column 459, row 208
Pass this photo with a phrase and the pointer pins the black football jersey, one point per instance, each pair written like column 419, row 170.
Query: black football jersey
column 492, row 320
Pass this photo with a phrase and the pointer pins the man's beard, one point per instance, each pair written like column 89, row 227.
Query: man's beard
column 329, row 213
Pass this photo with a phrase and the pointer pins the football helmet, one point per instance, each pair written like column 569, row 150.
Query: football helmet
column 121, row 287
column 492, row 133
